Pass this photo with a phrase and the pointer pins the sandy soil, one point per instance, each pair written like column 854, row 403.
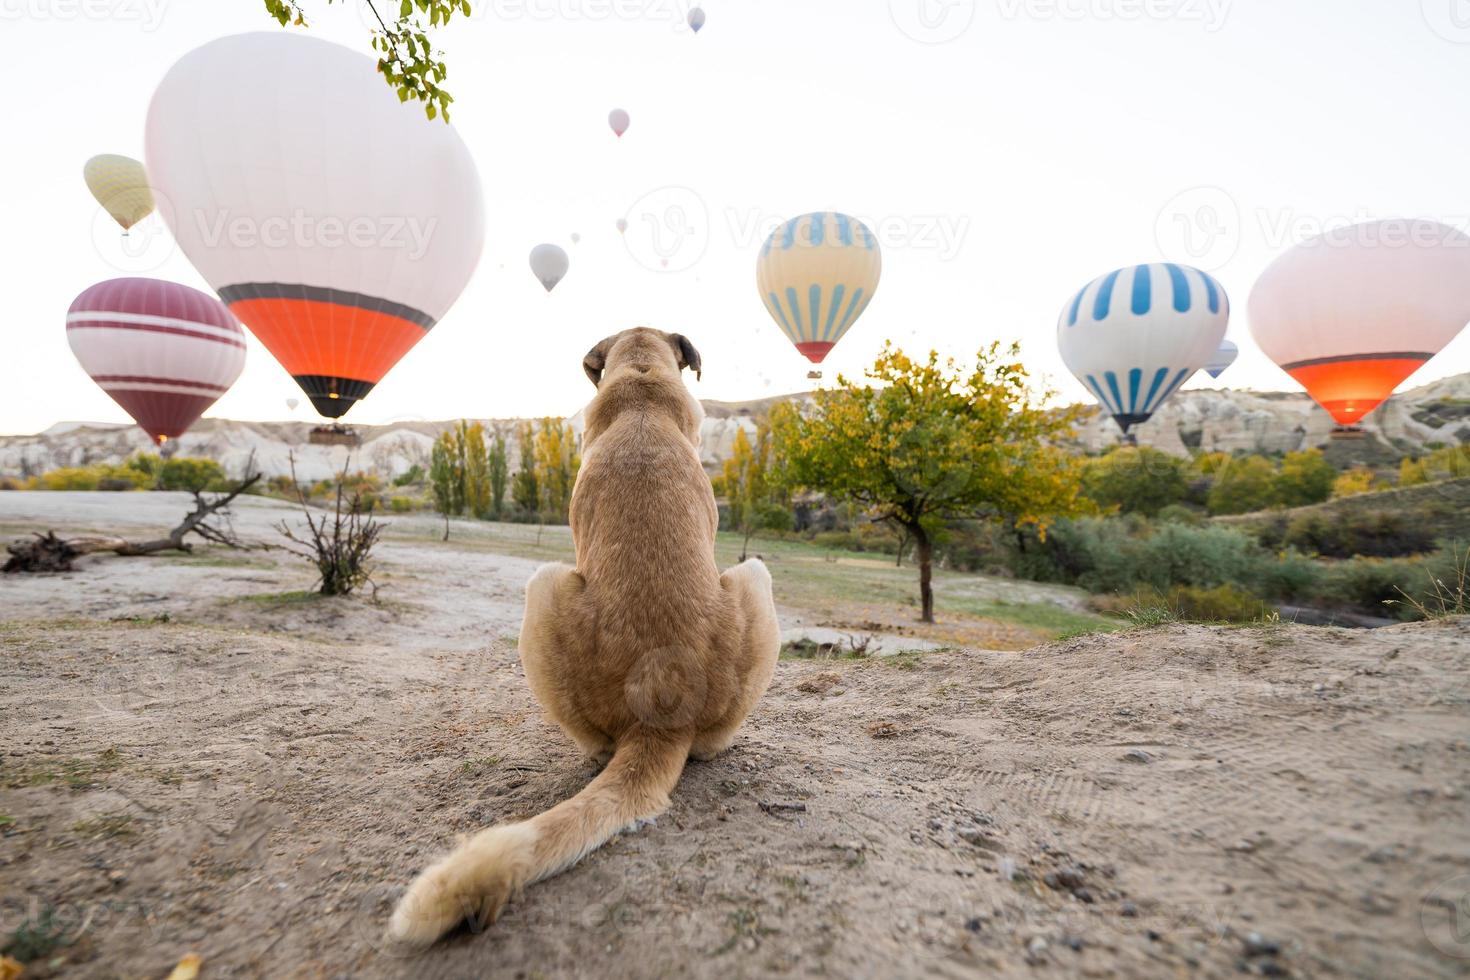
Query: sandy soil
column 255, row 779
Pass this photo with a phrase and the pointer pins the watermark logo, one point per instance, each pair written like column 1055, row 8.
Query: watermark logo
column 932, row 21
column 1445, row 917
column 1199, row 227
column 300, row 230
column 147, row 14
column 143, row 248
column 1449, row 19
column 1211, row 14
column 668, row 229
column 943, row 234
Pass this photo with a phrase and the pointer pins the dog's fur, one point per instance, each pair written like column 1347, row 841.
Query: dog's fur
column 643, row 653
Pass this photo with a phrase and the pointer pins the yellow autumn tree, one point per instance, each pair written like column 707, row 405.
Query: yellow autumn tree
column 929, row 441
column 557, row 463
column 745, row 484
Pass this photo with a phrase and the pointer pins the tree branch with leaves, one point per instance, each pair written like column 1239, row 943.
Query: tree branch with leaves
column 408, row 62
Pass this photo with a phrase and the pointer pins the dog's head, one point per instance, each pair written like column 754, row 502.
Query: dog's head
column 642, row 349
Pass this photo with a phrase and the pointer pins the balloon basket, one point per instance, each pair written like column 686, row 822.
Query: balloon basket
column 1348, row 432
column 814, row 375
column 334, row 435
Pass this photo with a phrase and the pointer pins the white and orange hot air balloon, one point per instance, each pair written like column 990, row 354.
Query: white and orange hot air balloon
column 164, row 352
column 339, row 224
column 1352, row 313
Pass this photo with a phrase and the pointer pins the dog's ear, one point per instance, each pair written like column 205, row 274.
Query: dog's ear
column 688, row 356
column 594, row 362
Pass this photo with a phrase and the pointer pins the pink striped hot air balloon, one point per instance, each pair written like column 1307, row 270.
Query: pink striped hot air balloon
column 164, row 352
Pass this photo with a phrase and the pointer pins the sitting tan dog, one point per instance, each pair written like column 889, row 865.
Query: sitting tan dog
column 643, row 653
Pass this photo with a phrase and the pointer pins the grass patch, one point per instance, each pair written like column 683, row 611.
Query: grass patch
column 36, row 939
column 106, row 826
column 155, row 620
column 474, row 767
column 274, row 599
column 1044, row 617
column 73, row 773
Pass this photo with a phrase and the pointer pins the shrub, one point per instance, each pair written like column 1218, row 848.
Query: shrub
column 400, row 505
column 1381, row 534
column 1368, row 584
column 1242, row 486
column 1180, row 514
column 101, row 476
column 1305, row 478
column 70, row 478
column 189, row 473
column 1136, row 479
column 414, row 474
column 1288, row 577
column 1354, row 481
column 1152, row 607
column 1112, row 555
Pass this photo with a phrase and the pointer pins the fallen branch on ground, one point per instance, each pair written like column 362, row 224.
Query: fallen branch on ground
column 210, row 520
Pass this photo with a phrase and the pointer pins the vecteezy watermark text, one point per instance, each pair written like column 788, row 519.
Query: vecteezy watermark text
column 302, row 230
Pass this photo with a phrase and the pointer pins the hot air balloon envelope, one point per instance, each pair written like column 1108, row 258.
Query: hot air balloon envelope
column 338, row 224
column 622, row 224
column 1352, row 313
column 120, row 185
column 696, row 18
column 1133, row 336
column 164, row 352
column 1222, row 359
column 619, row 121
column 816, row 274
column 549, row 263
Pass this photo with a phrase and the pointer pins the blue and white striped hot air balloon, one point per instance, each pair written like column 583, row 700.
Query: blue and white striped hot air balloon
column 1223, row 358
column 816, row 274
column 1133, row 336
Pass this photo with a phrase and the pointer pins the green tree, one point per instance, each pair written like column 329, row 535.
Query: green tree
column 934, row 442
column 1305, row 478
column 444, row 478
column 499, row 476
column 406, row 60
column 525, row 491
column 1136, row 479
column 1243, row 485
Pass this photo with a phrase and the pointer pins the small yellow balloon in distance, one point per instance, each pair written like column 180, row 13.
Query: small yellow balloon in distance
column 120, row 185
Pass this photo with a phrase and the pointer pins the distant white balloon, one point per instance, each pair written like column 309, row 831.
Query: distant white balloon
column 622, row 225
column 1224, row 357
column 696, row 18
column 291, row 403
column 576, row 238
column 549, row 263
column 619, row 121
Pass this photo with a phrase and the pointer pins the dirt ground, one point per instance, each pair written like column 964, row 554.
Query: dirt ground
column 253, row 776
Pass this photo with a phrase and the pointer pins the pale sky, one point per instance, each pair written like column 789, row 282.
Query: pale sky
column 1006, row 152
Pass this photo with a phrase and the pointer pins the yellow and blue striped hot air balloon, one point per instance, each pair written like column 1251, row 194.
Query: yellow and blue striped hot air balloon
column 816, row 275
column 120, row 185
column 1135, row 335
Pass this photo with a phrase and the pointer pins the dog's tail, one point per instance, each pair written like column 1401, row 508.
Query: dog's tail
column 475, row 881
